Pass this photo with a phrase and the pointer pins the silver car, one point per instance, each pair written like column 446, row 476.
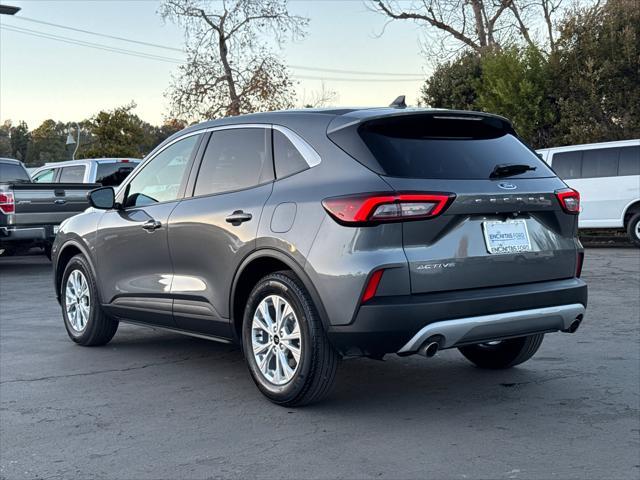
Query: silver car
column 308, row 236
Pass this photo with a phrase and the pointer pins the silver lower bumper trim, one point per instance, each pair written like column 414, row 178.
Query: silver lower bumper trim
column 500, row 325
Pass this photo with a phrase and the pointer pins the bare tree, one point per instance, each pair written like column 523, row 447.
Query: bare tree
column 320, row 98
column 230, row 68
column 480, row 25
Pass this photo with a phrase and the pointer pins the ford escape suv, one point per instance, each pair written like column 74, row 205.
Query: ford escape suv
column 308, row 236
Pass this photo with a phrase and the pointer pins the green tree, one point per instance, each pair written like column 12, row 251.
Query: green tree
column 20, row 139
column 453, row 84
column 516, row 83
column 598, row 76
column 114, row 133
column 48, row 143
column 5, row 139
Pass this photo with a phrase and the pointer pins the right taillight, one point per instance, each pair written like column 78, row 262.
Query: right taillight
column 7, row 203
column 375, row 208
column 569, row 200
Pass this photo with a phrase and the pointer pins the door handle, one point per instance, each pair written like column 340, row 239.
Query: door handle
column 151, row 225
column 60, row 201
column 237, row 217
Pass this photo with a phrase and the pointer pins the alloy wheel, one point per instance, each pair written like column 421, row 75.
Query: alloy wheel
column 77, row 300
column 276, row 340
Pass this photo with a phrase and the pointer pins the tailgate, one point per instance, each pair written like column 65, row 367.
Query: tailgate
column 48, row 203
column 452, row 251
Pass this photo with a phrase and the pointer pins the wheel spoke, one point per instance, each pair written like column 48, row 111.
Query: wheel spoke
column 278, row 356
column 77, row 297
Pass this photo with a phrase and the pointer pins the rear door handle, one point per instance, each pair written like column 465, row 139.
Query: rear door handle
column 60, row 201
column 151, row 225
column 237, row 217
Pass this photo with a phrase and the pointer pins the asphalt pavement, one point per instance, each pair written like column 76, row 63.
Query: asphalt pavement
column 159, row 405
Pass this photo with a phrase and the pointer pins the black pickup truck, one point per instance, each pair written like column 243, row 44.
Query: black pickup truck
column 30, row 213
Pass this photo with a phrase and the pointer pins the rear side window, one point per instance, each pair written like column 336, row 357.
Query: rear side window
column 73, row 174
column 601, row 162
column 235, row 159
column 288, row 160
column 629, row 161
column 113, row 174
column 13, row 173
column 567, row 165
column 447, row 147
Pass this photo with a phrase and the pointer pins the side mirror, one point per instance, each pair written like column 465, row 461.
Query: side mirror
column 103, row 198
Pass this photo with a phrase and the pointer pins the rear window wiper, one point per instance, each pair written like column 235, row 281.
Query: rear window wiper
column 508, row 170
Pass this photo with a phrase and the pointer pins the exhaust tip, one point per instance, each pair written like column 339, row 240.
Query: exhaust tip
column 575, row 324
column 430, row 349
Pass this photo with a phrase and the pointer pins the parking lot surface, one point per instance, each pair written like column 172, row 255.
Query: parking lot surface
column 159, row 405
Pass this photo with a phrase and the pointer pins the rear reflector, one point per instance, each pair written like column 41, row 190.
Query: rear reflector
column 374, row 208
column 372, row 285
column 7, row 203
column 569, row 200
column 579, row 263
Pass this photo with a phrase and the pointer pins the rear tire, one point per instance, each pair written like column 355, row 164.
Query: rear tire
column 504, row 354
column 633, row 229
column 291, row 372
column 84, row 319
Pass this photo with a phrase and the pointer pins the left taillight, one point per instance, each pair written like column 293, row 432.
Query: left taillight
column 7, row 203
column 569, row 200
column 375, row 208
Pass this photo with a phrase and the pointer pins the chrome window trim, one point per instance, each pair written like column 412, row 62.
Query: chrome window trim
column 307, row 151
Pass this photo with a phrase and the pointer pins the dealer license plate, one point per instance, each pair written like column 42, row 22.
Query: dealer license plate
column 506, row 237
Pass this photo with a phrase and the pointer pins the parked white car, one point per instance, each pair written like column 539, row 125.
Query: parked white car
column 109, row 172
column 607, row 175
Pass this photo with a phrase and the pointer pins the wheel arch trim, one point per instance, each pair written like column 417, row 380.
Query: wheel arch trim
column 293, row 265
column 57, row 274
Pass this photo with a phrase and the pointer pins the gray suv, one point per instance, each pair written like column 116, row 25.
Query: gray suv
column 309, row 236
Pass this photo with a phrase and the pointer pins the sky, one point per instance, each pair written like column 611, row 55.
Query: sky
column 43, row 78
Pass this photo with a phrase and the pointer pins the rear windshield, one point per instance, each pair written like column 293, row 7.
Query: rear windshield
column 13, row 173
column 447, row 147
column 113, row 174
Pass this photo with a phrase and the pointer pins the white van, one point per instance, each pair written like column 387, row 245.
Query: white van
column 607, row 175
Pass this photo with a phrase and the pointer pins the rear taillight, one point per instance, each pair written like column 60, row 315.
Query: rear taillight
column 374, row 207
column 579, row 263
column 7, row 203
column 569, row 200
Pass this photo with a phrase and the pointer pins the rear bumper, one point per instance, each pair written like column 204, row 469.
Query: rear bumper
column 402, row 324
column 26, row 234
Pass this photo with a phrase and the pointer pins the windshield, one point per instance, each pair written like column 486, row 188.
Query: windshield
column 13, row 173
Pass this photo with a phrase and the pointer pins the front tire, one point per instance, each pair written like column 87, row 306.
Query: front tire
column 503, row 354
column 84, row 319
column 285, row 345
column 633, row 229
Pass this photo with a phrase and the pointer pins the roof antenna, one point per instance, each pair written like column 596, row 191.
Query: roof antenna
column 399, row 102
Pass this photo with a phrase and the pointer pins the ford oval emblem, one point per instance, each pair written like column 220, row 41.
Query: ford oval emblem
column 507, row 186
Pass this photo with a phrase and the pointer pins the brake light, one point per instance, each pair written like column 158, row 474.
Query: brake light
column 372, row 285
column 7, row 203
column 569, row 200
column 579, row 263
column 374, row 208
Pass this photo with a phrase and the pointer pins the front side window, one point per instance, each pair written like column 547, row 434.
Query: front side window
column 568, row 165
column 46, row 176
column 161, row 178
column 629, row 161
column 235, row 159
column 73, row 174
